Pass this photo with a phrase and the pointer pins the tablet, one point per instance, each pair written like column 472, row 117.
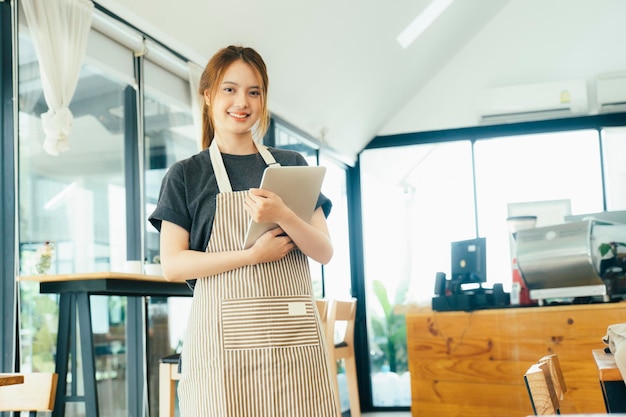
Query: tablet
column 298, row 186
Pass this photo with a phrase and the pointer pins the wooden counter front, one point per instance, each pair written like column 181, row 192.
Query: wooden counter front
column 472, row 363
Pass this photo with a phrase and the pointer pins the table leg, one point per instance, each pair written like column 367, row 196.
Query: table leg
column 135, row 349
column 614, row 396
column 75, row 308
column 62, row 354
column 87, row 350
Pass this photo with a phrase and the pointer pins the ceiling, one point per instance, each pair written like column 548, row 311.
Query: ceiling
column 338, row 73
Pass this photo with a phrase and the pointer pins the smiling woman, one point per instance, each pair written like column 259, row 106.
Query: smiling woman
column 259, row 366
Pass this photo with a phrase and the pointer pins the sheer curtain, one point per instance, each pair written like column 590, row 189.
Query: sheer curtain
column 59, row 29
column 195, row 73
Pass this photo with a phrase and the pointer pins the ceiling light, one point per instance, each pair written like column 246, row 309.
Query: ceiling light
column 422, row 22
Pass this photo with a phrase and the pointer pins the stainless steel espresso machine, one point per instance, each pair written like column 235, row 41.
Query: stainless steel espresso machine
column 565, row 261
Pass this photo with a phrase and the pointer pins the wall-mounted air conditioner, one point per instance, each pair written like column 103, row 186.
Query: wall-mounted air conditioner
column 532, row 101
column 611, row 92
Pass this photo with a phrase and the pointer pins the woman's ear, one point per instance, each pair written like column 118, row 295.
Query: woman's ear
column 207, row 98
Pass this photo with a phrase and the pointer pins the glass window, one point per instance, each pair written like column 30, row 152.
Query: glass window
column 169, row 136
column 614, row 149
column 535, row 173
column 416, row 200
column 337, row 272
column 73, row 207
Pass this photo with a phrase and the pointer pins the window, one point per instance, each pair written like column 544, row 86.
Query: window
column 614, row 149
column 416, row 200
column 548, row 167
column 169, row 136
column 77, row 202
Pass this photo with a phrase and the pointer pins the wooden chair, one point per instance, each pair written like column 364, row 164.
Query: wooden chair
column 36, row 393
column 556, row 373
column 168, row 375
column 322, row 310
column 541, row 391
column 344, row 311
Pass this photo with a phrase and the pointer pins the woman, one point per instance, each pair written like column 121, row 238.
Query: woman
column 254, row 344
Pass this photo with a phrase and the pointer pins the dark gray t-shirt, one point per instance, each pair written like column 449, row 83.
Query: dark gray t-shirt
column 188, row 190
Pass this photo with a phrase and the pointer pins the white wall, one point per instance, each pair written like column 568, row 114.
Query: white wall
column 568, row 39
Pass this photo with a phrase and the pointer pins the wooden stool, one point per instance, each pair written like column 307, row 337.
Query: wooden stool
column 322, row 310
column 168, row 375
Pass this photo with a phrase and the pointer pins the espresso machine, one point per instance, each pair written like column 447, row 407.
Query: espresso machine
column 563, row 261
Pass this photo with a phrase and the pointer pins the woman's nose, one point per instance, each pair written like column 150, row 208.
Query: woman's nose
column 241, row 99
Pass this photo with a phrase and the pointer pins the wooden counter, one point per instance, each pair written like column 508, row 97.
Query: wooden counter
column 472, row 364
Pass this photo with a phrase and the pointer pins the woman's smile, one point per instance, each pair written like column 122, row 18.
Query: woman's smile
column 239, row 116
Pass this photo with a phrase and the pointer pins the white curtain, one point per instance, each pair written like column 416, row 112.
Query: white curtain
column 59, row 29
column 197, row 101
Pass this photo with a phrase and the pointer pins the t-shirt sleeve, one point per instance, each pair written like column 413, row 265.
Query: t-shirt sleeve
column 325, row 203
column 171, row 205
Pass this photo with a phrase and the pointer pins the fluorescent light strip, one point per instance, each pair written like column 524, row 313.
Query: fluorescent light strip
column 422, row 22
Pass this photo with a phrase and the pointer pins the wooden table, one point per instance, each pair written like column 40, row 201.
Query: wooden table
column 11, row 379
column 74, row 307
column 611, row 381
column 472, row 363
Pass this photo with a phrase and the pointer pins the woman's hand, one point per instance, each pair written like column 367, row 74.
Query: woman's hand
column 264, row 206
column 272, row 246
column 312, row 237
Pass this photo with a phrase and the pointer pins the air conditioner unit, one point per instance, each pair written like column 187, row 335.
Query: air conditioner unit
column 532, row 101
column 611, row 92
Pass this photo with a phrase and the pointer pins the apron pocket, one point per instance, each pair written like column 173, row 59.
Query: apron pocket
column 253, row 323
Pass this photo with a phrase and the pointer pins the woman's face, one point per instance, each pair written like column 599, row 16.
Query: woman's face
column 237, row 104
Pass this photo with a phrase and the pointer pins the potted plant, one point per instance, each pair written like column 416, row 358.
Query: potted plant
column 44, row 257
column 613, row 267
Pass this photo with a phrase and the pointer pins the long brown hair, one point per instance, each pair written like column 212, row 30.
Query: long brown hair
column 212, row 77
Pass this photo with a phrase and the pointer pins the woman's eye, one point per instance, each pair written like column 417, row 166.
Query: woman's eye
column 255, row 93
column 228, row 89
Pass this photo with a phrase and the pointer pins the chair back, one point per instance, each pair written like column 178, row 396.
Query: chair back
column 556, row 373
column 322, row 310
column 36, row 393
column 341, row 320
column 168, row 375
column 342, row 313
column 543, row 396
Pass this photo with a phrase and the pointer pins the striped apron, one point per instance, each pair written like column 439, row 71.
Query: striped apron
column 254, row 345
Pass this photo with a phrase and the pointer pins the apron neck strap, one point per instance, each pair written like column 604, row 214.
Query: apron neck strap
column 221, row 176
